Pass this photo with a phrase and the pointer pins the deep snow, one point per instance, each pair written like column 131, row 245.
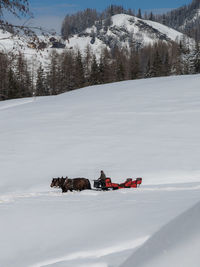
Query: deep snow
column 145, row 128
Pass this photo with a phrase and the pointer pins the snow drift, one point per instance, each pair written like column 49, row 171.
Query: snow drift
column 176, row 244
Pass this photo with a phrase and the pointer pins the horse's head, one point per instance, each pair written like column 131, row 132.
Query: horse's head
column 54, row 181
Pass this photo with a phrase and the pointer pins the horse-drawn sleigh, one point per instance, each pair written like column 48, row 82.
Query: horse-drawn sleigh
column 103, row 183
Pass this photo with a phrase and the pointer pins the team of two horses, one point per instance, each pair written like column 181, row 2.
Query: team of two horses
column 66, row 184
column 77, row 184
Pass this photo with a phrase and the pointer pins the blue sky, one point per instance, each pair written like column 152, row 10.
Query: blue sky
column 50, row 13
column 63, row 6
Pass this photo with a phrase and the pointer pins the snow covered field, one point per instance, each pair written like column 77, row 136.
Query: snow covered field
column 146, row 128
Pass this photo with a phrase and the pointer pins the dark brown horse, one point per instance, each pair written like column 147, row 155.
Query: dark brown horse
column 77, row 184
column 66, row 184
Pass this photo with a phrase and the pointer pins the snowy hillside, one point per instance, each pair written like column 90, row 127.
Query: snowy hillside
column 32, row 52
column 143, row 128
column 8, row 44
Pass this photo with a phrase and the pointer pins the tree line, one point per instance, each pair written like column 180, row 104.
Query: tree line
column 15, row 77
column 72, row 69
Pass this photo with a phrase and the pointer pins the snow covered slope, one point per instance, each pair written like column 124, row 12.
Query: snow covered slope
column 8, row 44
column 145, row 128
column 23, row 45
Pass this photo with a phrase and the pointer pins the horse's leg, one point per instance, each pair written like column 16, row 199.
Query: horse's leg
column 64, row 190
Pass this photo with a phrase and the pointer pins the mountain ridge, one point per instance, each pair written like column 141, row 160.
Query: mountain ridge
column 126, row 30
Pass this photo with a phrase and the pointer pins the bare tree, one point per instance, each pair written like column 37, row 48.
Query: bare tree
column 18, row 8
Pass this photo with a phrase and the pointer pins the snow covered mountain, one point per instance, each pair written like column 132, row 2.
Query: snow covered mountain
column 125, row 30
column 145, row 128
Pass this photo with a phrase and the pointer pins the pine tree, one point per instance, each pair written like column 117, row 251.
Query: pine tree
column 164, row 19
column 4, row 65
column 197, row 58
column 101, row 71
column 134, row 65
column 79, row 71
column 52, row 77
column 151, row 16
column 94, row 74
column 13, row 86
column 41, row 87
column 166, row 66
column 120, row 73
column 87, row 63
column 105, row 72
column 68, row 71
column 156, row 68
column 147, row 73
column 139, row 15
